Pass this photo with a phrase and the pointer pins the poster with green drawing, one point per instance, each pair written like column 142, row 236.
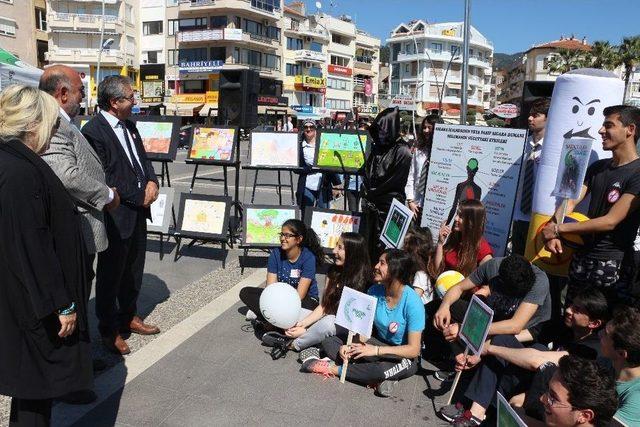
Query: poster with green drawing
column 475, row 325
column 356, row 311
column 262, row 224
column 507, row 416
column 343, row 151
column 396, row 225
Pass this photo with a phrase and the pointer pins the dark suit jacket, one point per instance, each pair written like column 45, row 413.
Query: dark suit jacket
column 119, row 171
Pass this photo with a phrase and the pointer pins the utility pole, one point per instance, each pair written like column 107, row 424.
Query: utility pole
column 465, row 63
column 100, row 51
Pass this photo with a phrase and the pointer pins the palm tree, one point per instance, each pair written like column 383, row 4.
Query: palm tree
column 603, row 55
column 629, row 55
column 566, row 60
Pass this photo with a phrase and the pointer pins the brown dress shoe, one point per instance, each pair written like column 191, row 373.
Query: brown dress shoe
column 116, row 344
column 137, row 326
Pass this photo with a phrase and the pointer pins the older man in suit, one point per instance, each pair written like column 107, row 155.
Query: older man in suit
column 120, row 267
column 78, row 166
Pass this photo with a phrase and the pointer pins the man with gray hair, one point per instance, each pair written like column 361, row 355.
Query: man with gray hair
column 120, row 267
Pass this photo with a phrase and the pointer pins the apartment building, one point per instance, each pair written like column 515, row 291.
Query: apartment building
column 426, row 63
column 23, row 30
column 74, row 28
column 151, row 34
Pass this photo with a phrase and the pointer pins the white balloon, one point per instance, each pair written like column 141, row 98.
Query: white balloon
column 280, row 305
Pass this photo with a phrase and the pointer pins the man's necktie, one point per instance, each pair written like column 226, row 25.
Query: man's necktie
column 527, row 185
column 136, row 166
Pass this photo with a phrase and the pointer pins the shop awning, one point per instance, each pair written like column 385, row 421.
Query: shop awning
column 457, row 86
column 185, row 110
column 204, row 111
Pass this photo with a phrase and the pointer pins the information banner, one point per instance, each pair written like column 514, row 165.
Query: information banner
column 474, row 162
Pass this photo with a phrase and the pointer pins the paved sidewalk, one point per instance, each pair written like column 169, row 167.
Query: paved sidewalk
column 221, row 375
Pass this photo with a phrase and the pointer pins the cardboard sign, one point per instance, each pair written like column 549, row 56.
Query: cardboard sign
column 507, row 416
column 574, row 161
column 475, row 325
column 356, row 312
column 396, row 225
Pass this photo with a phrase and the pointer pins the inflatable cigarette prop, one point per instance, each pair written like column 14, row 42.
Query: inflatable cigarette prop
column 577, row 102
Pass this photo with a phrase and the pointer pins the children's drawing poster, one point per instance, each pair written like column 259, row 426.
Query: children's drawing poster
column 474, row 162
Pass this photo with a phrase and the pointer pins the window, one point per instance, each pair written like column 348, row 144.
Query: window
column 195, row 54
column 41, row 19
column 218, row 53
column 336, row 38
column 315, row 46
column 436, row 47
column 152, row 56
column 268, row 5
column 151, row 28
column 218, row 21
column 173, row 26
column 294, row 44
column 338, row 104
column 407, row 68
column 193, row 24
column 193, row 86
column 338, row 84
column 455, row 49
column 7, row 27
column 339, row 60
column 271, row 61
column 315, row 71
column 295, row 24
column 293, row 69
column 172, row 56
column 128, row 13
column 172, row 2
column 258, row 29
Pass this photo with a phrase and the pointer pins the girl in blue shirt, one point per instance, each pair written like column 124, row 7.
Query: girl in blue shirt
column 392, row 354
column 294, row 262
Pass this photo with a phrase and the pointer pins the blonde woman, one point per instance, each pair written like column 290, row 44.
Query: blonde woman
column 44, row 342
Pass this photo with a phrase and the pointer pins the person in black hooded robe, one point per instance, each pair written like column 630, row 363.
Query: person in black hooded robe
column 385, row 175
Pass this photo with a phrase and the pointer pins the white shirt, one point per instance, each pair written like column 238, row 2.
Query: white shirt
column 531, row 151
column 288, row 127
column 313, row 180
column 421, row 281
column 418, row 161
column 66, row 116
column 119, row 131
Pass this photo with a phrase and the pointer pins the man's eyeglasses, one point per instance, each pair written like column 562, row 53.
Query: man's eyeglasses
column 309, row 128
column 287, row 235
column 551, row 401
column 129, row 98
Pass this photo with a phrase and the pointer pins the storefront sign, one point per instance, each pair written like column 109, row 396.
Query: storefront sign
column 338, row 70
column 368, row 109
column 308, row 111
column 311, row 83
column 211, row 97
column 403, row 102
column 506, row 111
column 200, row 66
column 279, row 101
column 233, row 34
column 190, row 98
column 152, row 82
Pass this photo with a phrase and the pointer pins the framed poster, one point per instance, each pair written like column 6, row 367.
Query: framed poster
column 262, row 224
column 80, row 121
column 396, row 225
column 574, row 161
column 475, row 326
column 341, row 150
column 204, row 216
column 279, row 150
column 474, row 162
column 356, row 311
column 329, row 224
column 507, row 416
column 160, row 135
column 161, row 211
column 213, row 145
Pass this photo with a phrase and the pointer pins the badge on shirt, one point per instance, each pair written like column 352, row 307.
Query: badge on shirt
column 295, row 274
column 614, row 193
column 393, row 327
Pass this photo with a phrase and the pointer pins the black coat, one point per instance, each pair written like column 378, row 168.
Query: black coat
column 119, row 172
column 42, row 265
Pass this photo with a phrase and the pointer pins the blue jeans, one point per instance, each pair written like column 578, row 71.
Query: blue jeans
column 316, row 198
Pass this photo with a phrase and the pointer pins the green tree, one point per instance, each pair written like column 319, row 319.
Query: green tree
column 384, row 54
column 603, row 55
column 565, row 60
column 628, row 56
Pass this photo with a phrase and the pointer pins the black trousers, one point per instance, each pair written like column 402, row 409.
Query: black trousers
column 371, row 370
column 30, row 413
column 119, row 277
column 250, row 296
column 519, row 232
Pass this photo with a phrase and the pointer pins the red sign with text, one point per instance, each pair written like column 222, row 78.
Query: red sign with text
column 337, row 69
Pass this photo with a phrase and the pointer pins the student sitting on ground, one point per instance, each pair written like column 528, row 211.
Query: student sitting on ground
column 352, row 268
column 419, row 244
column 294, row 262
column 580, row 393
column 620, row 341
column 510, row 368
column 463, row 248
column 392, row 353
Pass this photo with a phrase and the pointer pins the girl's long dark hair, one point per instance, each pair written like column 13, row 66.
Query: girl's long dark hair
column 356, row 272
column 419, row 244
column 310, row 239
column 424, row 144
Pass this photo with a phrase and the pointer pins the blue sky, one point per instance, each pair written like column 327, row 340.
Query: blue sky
column 512, row 25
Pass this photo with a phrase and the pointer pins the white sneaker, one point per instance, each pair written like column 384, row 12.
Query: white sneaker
column 250, row 315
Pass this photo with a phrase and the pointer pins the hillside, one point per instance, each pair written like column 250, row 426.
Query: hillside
column 504, row 61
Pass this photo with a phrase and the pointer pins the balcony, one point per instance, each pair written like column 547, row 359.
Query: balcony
column 363, row 62
column 77, row 21
column 310, row 56
column 433, row 33
column 262, row 8
column 305, row 30
column 442, row 56
column 88, row 56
